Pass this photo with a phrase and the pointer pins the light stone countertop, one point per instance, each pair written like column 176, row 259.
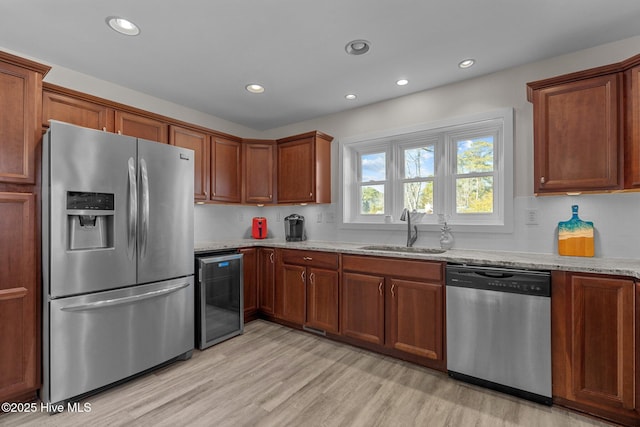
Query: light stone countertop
column 536, row 261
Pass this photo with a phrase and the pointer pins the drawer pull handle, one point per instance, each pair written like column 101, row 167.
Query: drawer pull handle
column 542, row 180
column 307, row 258
column 312, row 278
column 304, row 280
column 380, row 287
column 271, row 257
column 393, row 286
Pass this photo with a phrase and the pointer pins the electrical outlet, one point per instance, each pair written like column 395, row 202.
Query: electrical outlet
column 240, row 217
column 531, row 217
column 319, row 218
column 278, row 216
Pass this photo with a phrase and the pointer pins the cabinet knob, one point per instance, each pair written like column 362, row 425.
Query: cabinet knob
column 270, row 196
column 119, row 132
column 542, row 180
column 104, row 128
column 310, row 194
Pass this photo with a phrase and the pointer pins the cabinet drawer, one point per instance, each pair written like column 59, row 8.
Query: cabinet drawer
column 423, row 270
column 310, row 258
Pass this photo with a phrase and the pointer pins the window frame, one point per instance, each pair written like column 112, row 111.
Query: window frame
column 444, row 134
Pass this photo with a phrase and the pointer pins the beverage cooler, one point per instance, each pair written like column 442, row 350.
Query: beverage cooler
column 219, row 298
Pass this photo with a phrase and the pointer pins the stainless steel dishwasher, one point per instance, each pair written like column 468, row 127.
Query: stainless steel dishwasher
column 499, row 329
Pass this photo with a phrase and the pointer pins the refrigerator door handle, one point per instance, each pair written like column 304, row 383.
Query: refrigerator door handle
column 145, row 207
column 133, row 208
column 124, row 300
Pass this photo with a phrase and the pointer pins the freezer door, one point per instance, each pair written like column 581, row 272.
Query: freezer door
column 89, row 203
column 98, row 339
column 165, row 213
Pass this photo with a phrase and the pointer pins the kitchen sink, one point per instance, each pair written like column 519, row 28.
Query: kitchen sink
column 390, row 248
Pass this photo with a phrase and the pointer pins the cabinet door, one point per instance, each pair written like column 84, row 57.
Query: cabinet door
column 141, row 127
column 296, row 171
column 362, row 315
column 322, row 299
column 250, row 280
column 20, row 90
column 78, row 112
column 290, row 293
column 199, row 143
column 266, row 280
column 576, row 131
column 593, row 341
column 259, row 171
column 226, row 170
column 416, row 322
column 632, row 133
column 19, row 342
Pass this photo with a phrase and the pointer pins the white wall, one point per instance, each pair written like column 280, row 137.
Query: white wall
column 616, row 217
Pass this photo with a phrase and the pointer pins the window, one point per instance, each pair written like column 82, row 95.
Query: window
column 455, row 170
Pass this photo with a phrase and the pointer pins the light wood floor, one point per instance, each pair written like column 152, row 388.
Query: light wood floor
column 276, row 376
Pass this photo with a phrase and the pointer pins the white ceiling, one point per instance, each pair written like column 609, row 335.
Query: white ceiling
column 202, row 53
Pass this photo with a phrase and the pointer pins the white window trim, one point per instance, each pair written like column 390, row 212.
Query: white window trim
column 503, row 192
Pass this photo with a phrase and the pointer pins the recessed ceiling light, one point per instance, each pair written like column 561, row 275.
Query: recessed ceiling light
column 254, row 88
column 402, row 82
column 467, row 63
column 357, row 47
column 123, row 26
column 350, row 96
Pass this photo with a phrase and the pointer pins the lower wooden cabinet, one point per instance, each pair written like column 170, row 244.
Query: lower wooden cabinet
column 266, row 280
column 19, row 297
column 307, row 289
column 397, row 305
column 594, row 320
column 362, row 308
column 250, row 282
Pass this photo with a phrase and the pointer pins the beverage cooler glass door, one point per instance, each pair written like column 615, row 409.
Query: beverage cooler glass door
column 90, row 248
column 219, row 310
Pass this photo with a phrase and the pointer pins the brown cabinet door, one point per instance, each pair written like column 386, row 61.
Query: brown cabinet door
column 19, row 342
column 65, row 108
column 259, row 172
column 141, row 127
column 322, row 299
column 362, row 315
column 632, row 133
column 290, row 293
column 577, row 131
column 266, row 280
column 296, row 171
column 199, row 143
column 226, row 168
column 250, row 280
column 20, row 92
column 593, row 341
column 416, row 318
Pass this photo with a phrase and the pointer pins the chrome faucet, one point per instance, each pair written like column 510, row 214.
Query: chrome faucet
column 411, row 237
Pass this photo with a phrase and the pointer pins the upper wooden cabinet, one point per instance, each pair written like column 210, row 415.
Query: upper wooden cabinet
column 594, row 320
column 141, row 127
column 632, row 127
column 226, row 170
column 56, row 105
column 587, row 129
column 199, row 143
column 304, row 168
column 577, row 135
column 20, row 112
column 259, row 170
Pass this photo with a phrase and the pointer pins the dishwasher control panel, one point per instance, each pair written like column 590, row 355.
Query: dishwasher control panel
column 528, row 282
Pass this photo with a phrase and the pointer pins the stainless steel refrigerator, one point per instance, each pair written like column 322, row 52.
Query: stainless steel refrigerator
column 117, row 258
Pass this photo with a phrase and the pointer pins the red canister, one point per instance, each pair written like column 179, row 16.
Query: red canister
column 259, row 227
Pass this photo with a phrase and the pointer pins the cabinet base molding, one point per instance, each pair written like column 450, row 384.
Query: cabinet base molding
column 625, row 418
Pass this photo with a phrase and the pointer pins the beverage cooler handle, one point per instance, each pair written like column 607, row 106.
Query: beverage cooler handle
column 133, row 207
column 145, row 206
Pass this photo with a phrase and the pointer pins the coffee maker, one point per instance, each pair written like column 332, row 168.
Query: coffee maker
column 294, row 228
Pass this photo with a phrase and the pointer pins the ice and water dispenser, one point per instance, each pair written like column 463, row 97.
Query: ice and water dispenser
column 90, row 220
